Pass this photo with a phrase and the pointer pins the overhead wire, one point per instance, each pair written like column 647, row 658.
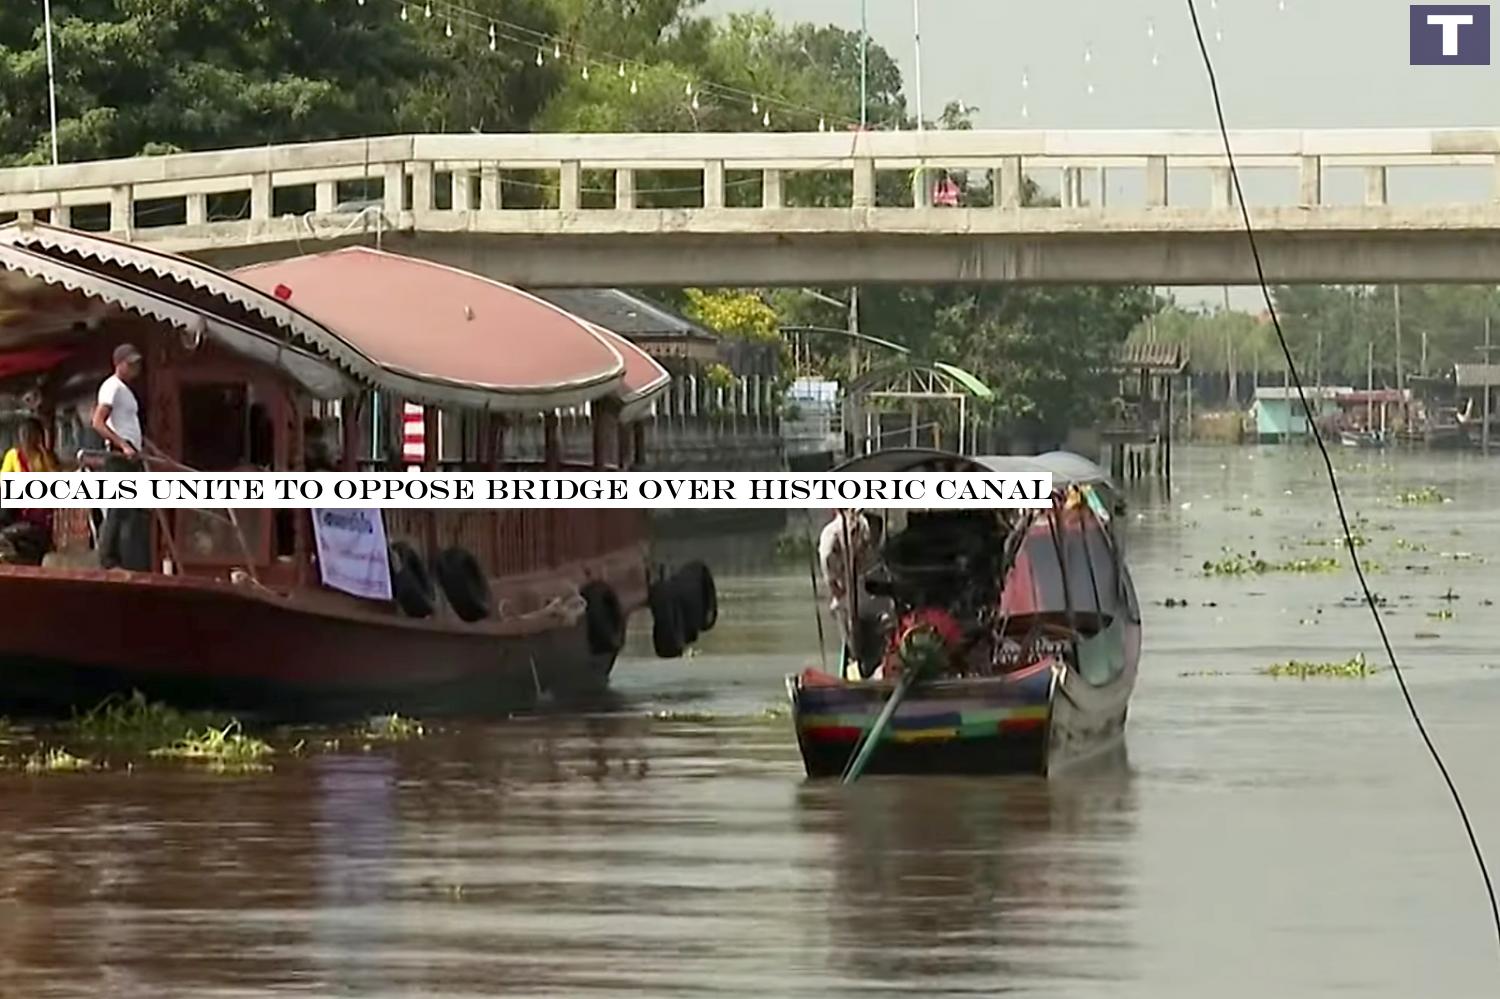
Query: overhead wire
column 1338, row 499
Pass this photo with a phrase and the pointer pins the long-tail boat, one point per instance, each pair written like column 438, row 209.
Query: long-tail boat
column 264, row 369
column 1011, row 637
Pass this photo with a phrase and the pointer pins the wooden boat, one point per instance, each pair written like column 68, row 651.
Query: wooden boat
column 1040, row 629
column 488, row 609
column 1363, row 438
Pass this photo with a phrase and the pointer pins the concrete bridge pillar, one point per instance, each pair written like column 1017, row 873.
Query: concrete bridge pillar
column 489, row 187
column 624, row 189
column 1156, row 181
column 1312, row 181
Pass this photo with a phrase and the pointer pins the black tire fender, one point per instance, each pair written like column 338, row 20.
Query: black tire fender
column 698, row 579
column 411, row 584
column 464, row 584
column 666, row 621
column 604, row 616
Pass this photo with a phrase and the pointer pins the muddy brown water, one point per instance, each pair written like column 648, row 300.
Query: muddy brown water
column 1264, row 836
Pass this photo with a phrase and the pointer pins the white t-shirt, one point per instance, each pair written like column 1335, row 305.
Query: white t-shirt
column 124, row 411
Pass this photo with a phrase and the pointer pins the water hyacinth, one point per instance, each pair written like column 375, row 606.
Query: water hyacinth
column 1352, row 668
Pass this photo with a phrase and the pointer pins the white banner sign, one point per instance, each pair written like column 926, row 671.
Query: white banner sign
column 522, row 490
column 352, row 554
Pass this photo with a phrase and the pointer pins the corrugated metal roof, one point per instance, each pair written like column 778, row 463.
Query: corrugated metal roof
column 626, row 314
column 1477, row 375
column 1154, row 356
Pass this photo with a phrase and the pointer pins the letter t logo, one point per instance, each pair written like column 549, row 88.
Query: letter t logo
column 1450, row 24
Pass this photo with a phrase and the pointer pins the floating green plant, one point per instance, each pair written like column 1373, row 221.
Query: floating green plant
column 1232, row 563
column 394, row 728
column 1427, row 494
column 55, row 760
column 1441, row 615
column 223, row 750
column 1356, row 667
column 136, row 722
column 1410, row 546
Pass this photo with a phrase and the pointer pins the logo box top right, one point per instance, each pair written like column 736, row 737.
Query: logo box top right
column 1450, row 34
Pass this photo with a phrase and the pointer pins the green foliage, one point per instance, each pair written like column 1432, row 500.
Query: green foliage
column 394, row 728
column 1233, row 563
column 54, row 760
column 221, row 750
column 1421, row 497
column 134, row 722
column 1355, row 668
column 735, row 313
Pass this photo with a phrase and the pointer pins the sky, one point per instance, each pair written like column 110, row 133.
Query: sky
column 1280, row 64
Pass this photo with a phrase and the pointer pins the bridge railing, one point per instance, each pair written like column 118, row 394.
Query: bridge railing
column 589, row 182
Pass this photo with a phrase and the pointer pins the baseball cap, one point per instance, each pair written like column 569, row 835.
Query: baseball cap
column 126, row 352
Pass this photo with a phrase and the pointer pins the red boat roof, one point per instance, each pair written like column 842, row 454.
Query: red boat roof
column 492, row 345
column 644, row 379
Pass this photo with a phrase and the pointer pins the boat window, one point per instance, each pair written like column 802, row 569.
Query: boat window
column 1093, row 582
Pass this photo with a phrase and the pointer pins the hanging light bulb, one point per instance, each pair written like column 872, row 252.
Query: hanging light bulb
column 766, row 118
column 556, row 50
column 754, row 104
column 1219, row 35
column 822, row 124
column 1025, row 111
column 494, row 45
column 361, row 3
column 404, row 16
column 695, row 102
column 1156, row 59
column 428, row 9
column 1150, row 28
column 634, row 87
column 449, row 30
column 539, row 59
column 622, row 71
column 1025, row 79
column 1088, row 54
column 585, row 71
column 687, row 91
column 1091, row 90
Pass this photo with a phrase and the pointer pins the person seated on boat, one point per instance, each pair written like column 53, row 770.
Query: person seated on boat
column 26, row 537
column 840, row 569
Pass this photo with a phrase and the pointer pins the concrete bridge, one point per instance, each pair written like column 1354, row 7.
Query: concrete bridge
column 590, row 213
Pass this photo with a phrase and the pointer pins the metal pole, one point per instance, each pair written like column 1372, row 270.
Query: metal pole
column 51, row 76
column 1400, row 373
column 854, row 330
column 864, row 64
column 916, row 31
column 1485, row 433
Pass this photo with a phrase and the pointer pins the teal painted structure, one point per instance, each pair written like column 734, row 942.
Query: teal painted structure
column 1279, row 414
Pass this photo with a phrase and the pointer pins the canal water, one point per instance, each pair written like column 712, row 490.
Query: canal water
column 1264, row 836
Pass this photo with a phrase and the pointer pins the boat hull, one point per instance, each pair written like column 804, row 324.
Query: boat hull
column 72, row 638
column 1043, row 719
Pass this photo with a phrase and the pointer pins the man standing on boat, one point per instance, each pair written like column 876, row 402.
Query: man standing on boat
column 125, row 538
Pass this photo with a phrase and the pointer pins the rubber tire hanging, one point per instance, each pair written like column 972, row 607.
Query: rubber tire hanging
column 696, row 583
column 411, row 584
column 464, row 584
column 666, row 620
column 604, row 616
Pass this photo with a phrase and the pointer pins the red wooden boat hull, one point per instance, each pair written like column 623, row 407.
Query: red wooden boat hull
column 73, row 637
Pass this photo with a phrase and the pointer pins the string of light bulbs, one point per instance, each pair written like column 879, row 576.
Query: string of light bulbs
column 590, row 60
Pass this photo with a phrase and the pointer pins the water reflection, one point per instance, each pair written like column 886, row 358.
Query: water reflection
column 977, row 884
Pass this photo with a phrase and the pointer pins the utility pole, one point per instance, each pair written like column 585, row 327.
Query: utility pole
column 916, row 32
column 853, row 329
column 1400, row 373
column 1485, row 432
column 51, row 76
column 1424, row 353
column 864, row 64
column 1234, row 395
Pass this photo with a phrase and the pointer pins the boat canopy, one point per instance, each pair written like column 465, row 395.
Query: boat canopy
column 1067, row 469
column 58, row 284
column 445, row 336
